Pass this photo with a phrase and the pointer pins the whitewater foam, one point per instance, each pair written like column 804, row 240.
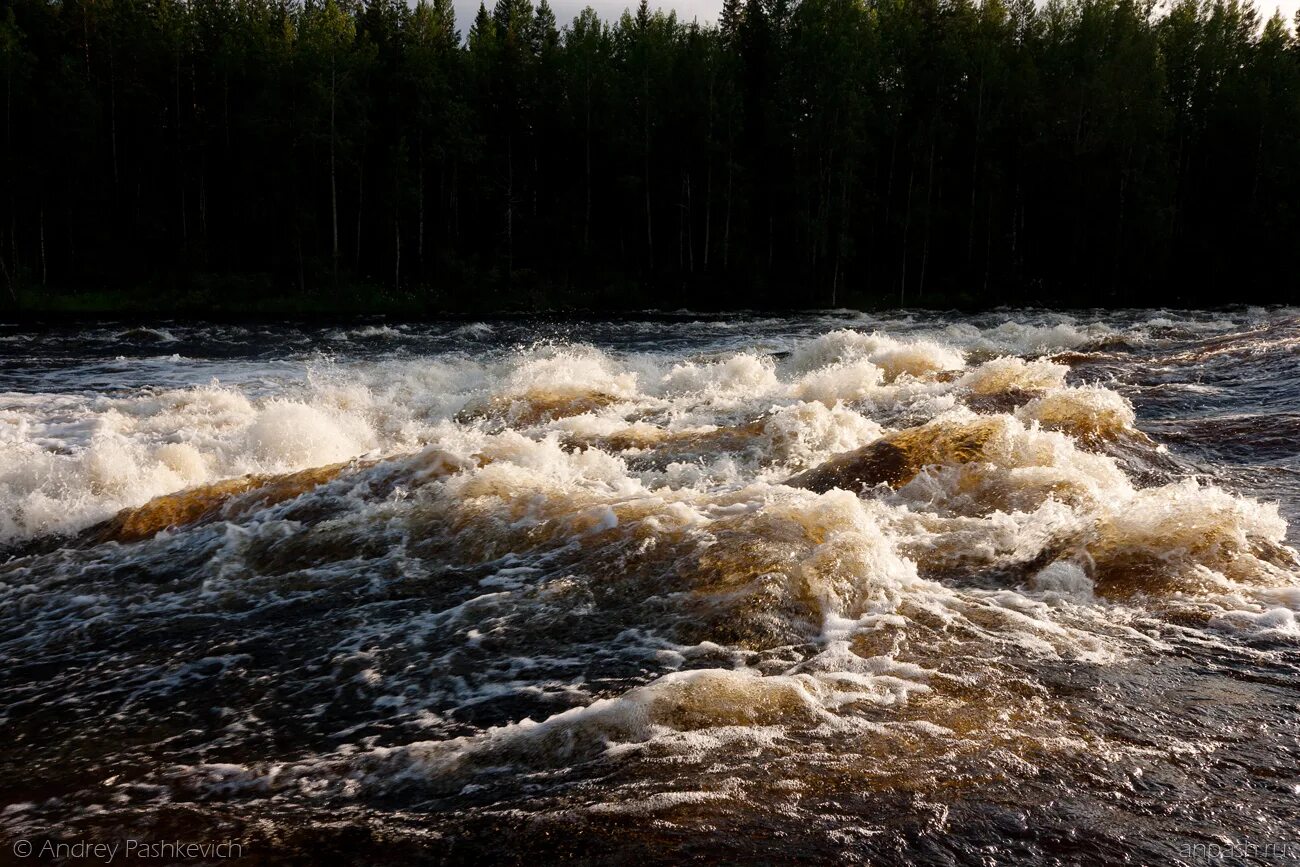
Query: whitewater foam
column 898, row 557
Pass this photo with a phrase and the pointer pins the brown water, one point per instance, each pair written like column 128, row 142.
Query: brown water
column 924, row 589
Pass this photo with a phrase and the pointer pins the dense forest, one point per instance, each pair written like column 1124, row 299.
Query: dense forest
column 800, row 153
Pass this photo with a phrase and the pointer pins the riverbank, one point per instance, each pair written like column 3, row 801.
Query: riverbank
column 252, row 297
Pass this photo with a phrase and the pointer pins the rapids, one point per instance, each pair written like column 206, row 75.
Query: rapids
column 916, row 588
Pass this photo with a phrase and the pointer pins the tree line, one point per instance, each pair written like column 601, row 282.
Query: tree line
column 799, row 153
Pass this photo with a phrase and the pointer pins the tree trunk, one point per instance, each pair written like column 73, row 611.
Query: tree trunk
column 988, row 245
column 8, row 163
column 649, row 221
column 708, row 181
column 907, row 225
column 681, row 226
column 708, row 209
column 72, row 246
column 925, row 246
column 510, row 207
column 225, row 111
column 9, row 281
column 180, row 159
column 974, row 169
column 846, row 178
column 112, row 108
column 454, row 201
column 44, row 272
column 1119, row 217
column 690, row 239
column 85, row 35
column 334, row 186
column 726, row 226
column 586, row 215
column 1259, row 158
column 889, row 183
column 419, row 236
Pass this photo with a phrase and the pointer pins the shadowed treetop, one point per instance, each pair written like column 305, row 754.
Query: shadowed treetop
column 799, row 154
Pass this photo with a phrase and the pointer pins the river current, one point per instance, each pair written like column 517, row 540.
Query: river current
column 913, row 588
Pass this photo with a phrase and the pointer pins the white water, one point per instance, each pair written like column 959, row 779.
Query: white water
column 630, row 580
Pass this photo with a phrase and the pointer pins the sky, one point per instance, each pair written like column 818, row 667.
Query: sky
column 707, row 10
column 567, row 10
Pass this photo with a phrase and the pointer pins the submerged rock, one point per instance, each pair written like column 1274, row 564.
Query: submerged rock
column 227, row 498
column 897, row 458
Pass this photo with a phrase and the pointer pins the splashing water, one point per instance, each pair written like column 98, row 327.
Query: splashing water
column 918, row 589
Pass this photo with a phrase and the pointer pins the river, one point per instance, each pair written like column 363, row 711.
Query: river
column 909, row 588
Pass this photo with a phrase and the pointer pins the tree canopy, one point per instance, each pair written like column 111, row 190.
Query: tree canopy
column 801, row 153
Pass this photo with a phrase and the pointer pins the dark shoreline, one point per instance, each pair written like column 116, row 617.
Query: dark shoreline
column 365, row 305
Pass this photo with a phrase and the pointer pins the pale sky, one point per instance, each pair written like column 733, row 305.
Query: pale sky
column 707, row 10
column 567, row 10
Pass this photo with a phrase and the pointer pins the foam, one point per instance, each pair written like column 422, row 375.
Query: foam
column 1275, row 623
column 1031, row 339
column 1191, row 538
column 806, row 433
column 741, row 375
column 1064, row 579
column 1010, row 373
column 847, row 380
column 572, row 369
column 58, row 476
column 690, row 713
column 894, row 358
column 582, row 486
column 290, row 434
column 1088, row 412
column 579, row 556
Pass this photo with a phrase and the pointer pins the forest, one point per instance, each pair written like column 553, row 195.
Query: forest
column 277, row 154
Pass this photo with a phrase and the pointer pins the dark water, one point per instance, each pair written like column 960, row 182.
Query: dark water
column 527, row 591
